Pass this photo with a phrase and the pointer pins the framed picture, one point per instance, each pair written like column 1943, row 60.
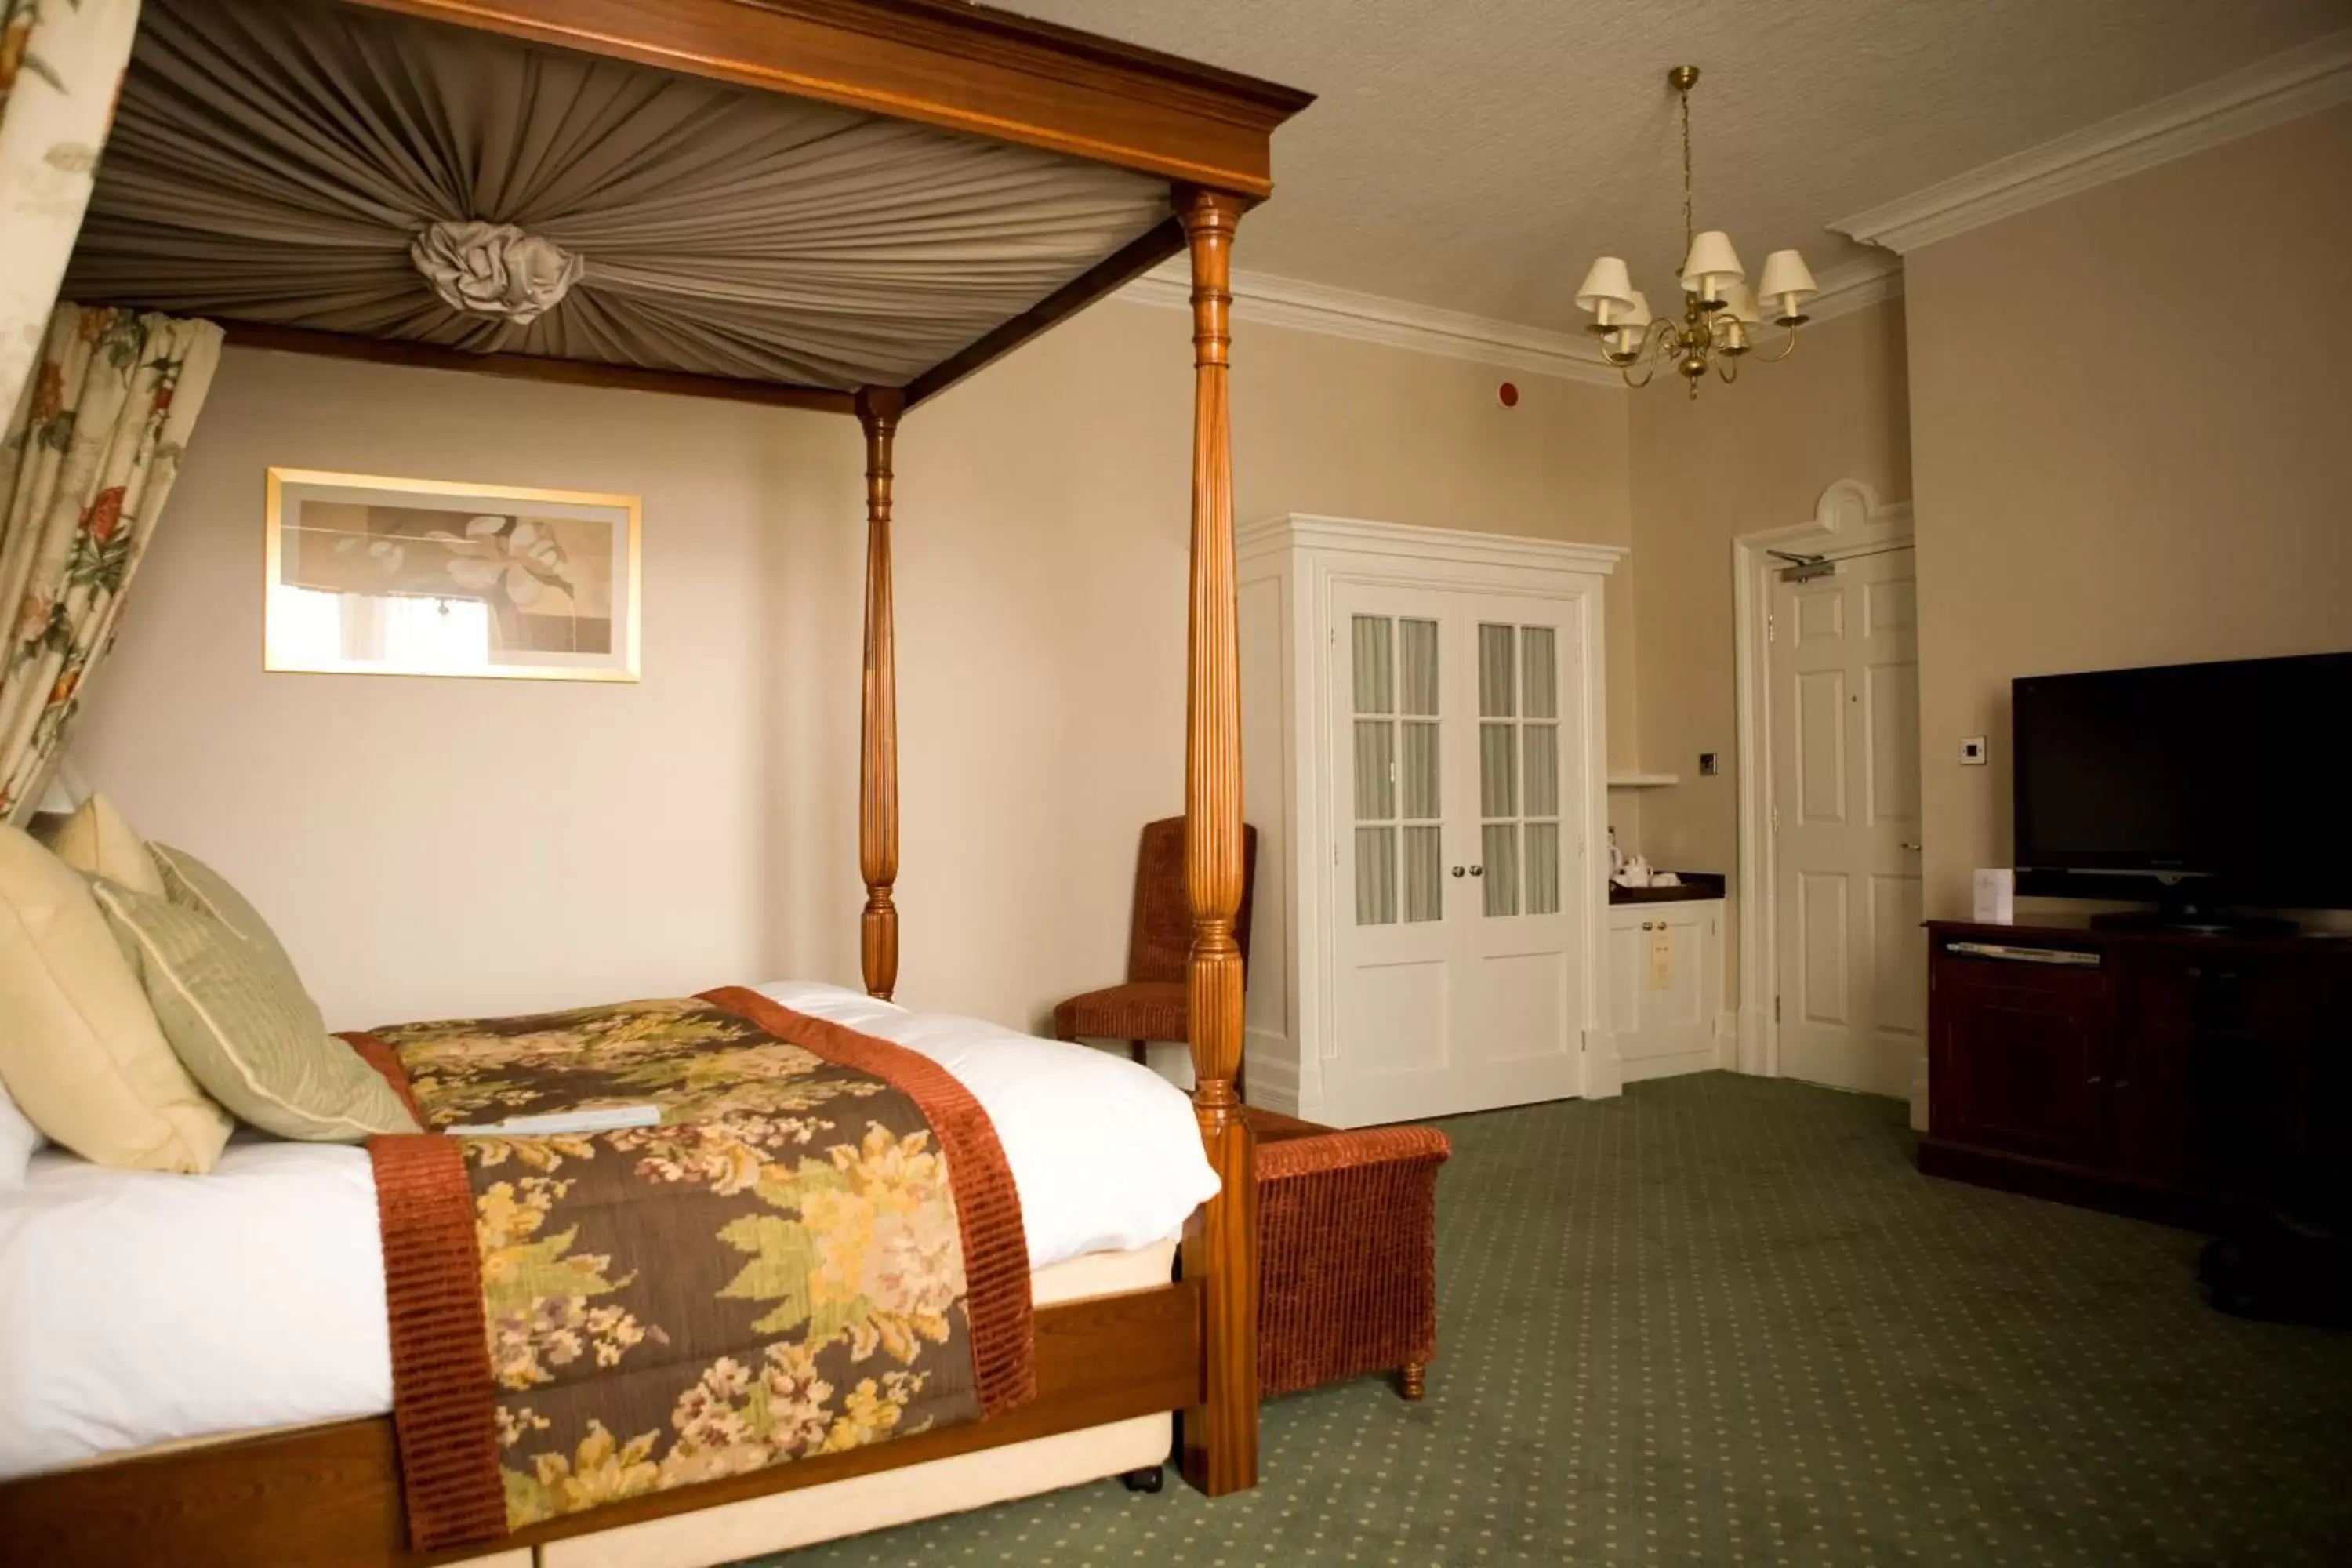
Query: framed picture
column 376, row 576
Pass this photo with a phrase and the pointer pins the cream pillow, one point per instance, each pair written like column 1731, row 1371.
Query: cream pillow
column 246, row 1029
column 96, row 839
column 80, row 1050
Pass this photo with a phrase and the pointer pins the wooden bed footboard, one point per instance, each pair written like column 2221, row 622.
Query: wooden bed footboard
column 329, row 1497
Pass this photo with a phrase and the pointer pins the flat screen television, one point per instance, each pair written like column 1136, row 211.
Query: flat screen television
column 2199, row 785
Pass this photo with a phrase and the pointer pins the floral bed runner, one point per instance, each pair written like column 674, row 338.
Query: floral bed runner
column 818, row 1248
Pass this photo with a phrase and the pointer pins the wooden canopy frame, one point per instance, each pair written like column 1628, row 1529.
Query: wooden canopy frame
column 330, row 1496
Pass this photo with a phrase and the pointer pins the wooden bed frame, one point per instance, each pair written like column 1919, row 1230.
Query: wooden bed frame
column 330, row 1496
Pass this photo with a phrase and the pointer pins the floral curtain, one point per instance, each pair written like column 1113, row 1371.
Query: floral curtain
column 84, row 468
column 60, row 64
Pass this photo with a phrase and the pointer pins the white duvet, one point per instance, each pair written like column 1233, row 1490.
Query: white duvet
column 138, row 1309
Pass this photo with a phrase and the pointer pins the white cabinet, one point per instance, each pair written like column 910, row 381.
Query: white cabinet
column 1665, row 985
column 1422, row 736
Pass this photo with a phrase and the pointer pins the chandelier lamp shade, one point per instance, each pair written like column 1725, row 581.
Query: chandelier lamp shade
column 1721, row 313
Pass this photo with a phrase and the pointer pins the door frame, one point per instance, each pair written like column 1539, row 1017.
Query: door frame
column 1848, row 519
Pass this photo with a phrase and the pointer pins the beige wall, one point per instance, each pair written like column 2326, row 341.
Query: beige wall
column 434, row 847
column 2103, row 480
column 1739, row 459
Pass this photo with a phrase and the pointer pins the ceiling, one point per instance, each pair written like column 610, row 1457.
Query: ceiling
column 1475, row 156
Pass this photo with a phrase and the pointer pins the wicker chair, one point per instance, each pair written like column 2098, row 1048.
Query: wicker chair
column 1150, row 1005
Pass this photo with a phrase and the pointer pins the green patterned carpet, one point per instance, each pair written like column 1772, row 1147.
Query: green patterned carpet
column 1722, row 1320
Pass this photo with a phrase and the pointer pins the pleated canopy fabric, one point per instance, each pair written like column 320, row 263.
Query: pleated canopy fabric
column 307, row 163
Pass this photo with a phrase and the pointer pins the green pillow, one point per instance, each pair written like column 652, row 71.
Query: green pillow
column 242, row 1025
column 193, row 885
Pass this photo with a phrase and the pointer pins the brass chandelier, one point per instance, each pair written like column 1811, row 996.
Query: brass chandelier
column 1720, row 312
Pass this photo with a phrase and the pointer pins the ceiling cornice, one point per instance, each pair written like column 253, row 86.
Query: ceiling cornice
column 1266, row 300
column 2269, row 93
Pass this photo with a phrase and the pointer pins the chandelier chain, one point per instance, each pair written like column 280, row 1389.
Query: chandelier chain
column 1687, row 229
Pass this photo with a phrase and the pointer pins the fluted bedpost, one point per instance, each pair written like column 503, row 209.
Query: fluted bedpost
column 878, row 408
column 1221, row 1249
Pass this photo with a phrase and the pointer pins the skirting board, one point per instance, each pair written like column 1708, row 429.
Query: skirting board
column 788, row 1520
column 1604, row 1074
column 1757, row 1052
column 1270, row 1069
column 1640, row 1069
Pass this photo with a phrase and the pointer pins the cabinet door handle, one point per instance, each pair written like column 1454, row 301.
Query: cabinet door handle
column 1478, row 870
column 1457, row 870
column 1911, row 847
column 2095, row 1080
column 2122, row 1084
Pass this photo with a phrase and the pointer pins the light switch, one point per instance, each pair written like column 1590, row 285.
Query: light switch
column 1974, row 752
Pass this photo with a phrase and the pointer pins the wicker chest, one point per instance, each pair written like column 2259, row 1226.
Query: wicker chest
column 1347, row 1251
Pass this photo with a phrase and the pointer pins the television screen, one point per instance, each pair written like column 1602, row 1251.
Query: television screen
column 2221, row 781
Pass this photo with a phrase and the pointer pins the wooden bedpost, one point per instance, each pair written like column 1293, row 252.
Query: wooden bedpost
column 1221, row 1247
column 878, row 408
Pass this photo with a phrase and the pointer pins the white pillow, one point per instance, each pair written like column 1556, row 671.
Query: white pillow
column 18, row 1139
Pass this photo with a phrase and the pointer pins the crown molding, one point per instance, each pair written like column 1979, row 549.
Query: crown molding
column 1267, row 301
column 2269, row 93
column 1855, row 285
column 1272, row 301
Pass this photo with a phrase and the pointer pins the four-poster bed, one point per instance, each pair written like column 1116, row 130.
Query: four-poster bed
column 1116, row 158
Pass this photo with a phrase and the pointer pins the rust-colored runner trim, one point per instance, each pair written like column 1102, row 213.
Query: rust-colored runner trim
column 988, row 1206
column 386, row 1062
column 442, row 1388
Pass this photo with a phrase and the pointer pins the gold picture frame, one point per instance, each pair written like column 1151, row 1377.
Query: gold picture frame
column 365, row 574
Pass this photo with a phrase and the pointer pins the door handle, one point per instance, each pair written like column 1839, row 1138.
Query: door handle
column 1457, row 870
column 1910, row 847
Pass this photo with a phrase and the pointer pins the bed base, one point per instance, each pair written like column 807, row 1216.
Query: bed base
column 329, row 1497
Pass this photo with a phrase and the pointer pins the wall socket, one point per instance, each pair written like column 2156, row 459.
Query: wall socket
column 1706, row 765
column 1974, row 752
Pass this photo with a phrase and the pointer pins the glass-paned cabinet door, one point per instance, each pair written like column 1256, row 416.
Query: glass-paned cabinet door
column 1519, row 768
column 1394, row 677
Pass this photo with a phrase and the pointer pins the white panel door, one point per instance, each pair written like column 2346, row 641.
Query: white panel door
column 1844, row 694
column 1457, row 785
column 1524, row 921
column 1401, row 1011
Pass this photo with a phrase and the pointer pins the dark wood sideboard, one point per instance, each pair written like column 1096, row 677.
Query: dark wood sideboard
column 2177, row 1076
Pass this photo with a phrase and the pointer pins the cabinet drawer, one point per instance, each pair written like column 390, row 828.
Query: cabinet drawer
column 2063, row 972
